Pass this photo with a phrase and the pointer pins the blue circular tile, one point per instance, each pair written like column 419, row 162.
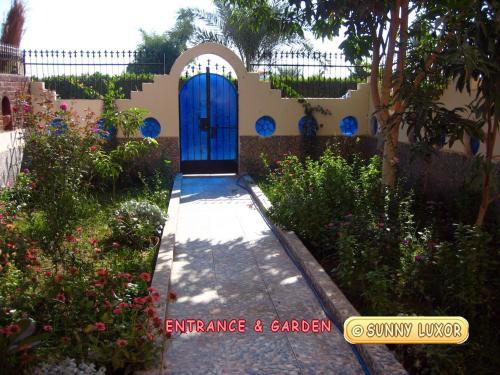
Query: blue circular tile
column 474, row 145
column 265, row 126
column 308, row 126
column 349, row 126
column 106, row 131
column 151, row 128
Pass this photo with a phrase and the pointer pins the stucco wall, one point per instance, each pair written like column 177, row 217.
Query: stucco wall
column 256, row 99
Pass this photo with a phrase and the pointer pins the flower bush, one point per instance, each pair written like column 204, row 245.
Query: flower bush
column 68, row 288
column 133, row 221
column 392, row 254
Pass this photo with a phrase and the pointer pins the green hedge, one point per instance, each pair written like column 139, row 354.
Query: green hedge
column 92, row 86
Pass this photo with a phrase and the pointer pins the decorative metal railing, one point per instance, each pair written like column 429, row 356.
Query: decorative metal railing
column 84, row 74
column 11, row 60
column 311, row 74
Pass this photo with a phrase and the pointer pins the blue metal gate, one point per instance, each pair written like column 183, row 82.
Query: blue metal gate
column 208, row 124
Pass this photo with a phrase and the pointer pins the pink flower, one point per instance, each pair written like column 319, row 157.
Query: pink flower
column 64, row 106
column 117, row 311
column 419, row 258
column 115, row 245
column 48, row 328
column 100, row 326
column 121, row 342
column 93, row 242
column 26, row 108
column 145, row 276
column 41, row 126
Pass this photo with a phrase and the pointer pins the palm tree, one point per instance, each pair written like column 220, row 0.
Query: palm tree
column 253, row 31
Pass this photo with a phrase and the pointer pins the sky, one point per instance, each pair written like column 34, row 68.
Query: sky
column 102, row 24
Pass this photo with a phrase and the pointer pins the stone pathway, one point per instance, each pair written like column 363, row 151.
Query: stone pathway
column 228, row 264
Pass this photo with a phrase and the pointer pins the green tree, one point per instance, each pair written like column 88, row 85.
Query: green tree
column 405, row 56
column 163, row 48
column 234, row 26
column 474, row 60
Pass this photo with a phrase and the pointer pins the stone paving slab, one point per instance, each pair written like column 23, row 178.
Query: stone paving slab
column 228, row 265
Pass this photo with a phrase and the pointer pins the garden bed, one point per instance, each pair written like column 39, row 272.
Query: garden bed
column 394, row 253
column 79, row 236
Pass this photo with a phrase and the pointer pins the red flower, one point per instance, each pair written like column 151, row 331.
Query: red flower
column 151, row 289
column 48, row 328
column 155, row 296
column 71, row 238
column 72, row 270
column 121, row 342
column 59, row 278
column 100, row 326
column 140, row 300
column 157, row 322
column 168, row 335
column 61, row 297
column 172, row 295
column 150, row 311
column 93, row 148
column 145, row 276
column 93, row 242
column 99, row 284
column 13, row 328
column 64, row 106
column 117, row 311
column 123, row 305
column 103, row 272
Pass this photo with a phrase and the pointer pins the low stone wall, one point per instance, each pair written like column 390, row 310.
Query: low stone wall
column 274, row 148
column 444, row 175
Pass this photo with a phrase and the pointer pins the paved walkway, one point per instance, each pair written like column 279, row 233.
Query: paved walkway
column 228, row 264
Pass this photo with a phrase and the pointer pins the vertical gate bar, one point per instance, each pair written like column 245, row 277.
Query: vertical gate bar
column 209, row 132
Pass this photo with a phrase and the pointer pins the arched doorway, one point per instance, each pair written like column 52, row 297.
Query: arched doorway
column 208, row 119
column 6, row 114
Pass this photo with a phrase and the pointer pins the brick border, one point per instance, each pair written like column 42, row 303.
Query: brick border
column 163, row 268
column 378, row 358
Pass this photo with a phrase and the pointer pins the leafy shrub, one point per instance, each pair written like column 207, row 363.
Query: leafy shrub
column 312, row 197
column 390, row 255
column 135, row 222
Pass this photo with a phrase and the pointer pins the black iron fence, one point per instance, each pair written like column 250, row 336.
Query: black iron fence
column 311, row 74
column 85, row 74
column 11, row 60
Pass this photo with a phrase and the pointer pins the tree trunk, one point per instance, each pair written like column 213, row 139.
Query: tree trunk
column 390, row 160
column 490, row 146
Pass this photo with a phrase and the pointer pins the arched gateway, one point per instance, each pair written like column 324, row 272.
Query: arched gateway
column 208, row 119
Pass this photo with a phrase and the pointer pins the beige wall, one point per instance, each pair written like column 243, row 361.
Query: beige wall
column 256, row 99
